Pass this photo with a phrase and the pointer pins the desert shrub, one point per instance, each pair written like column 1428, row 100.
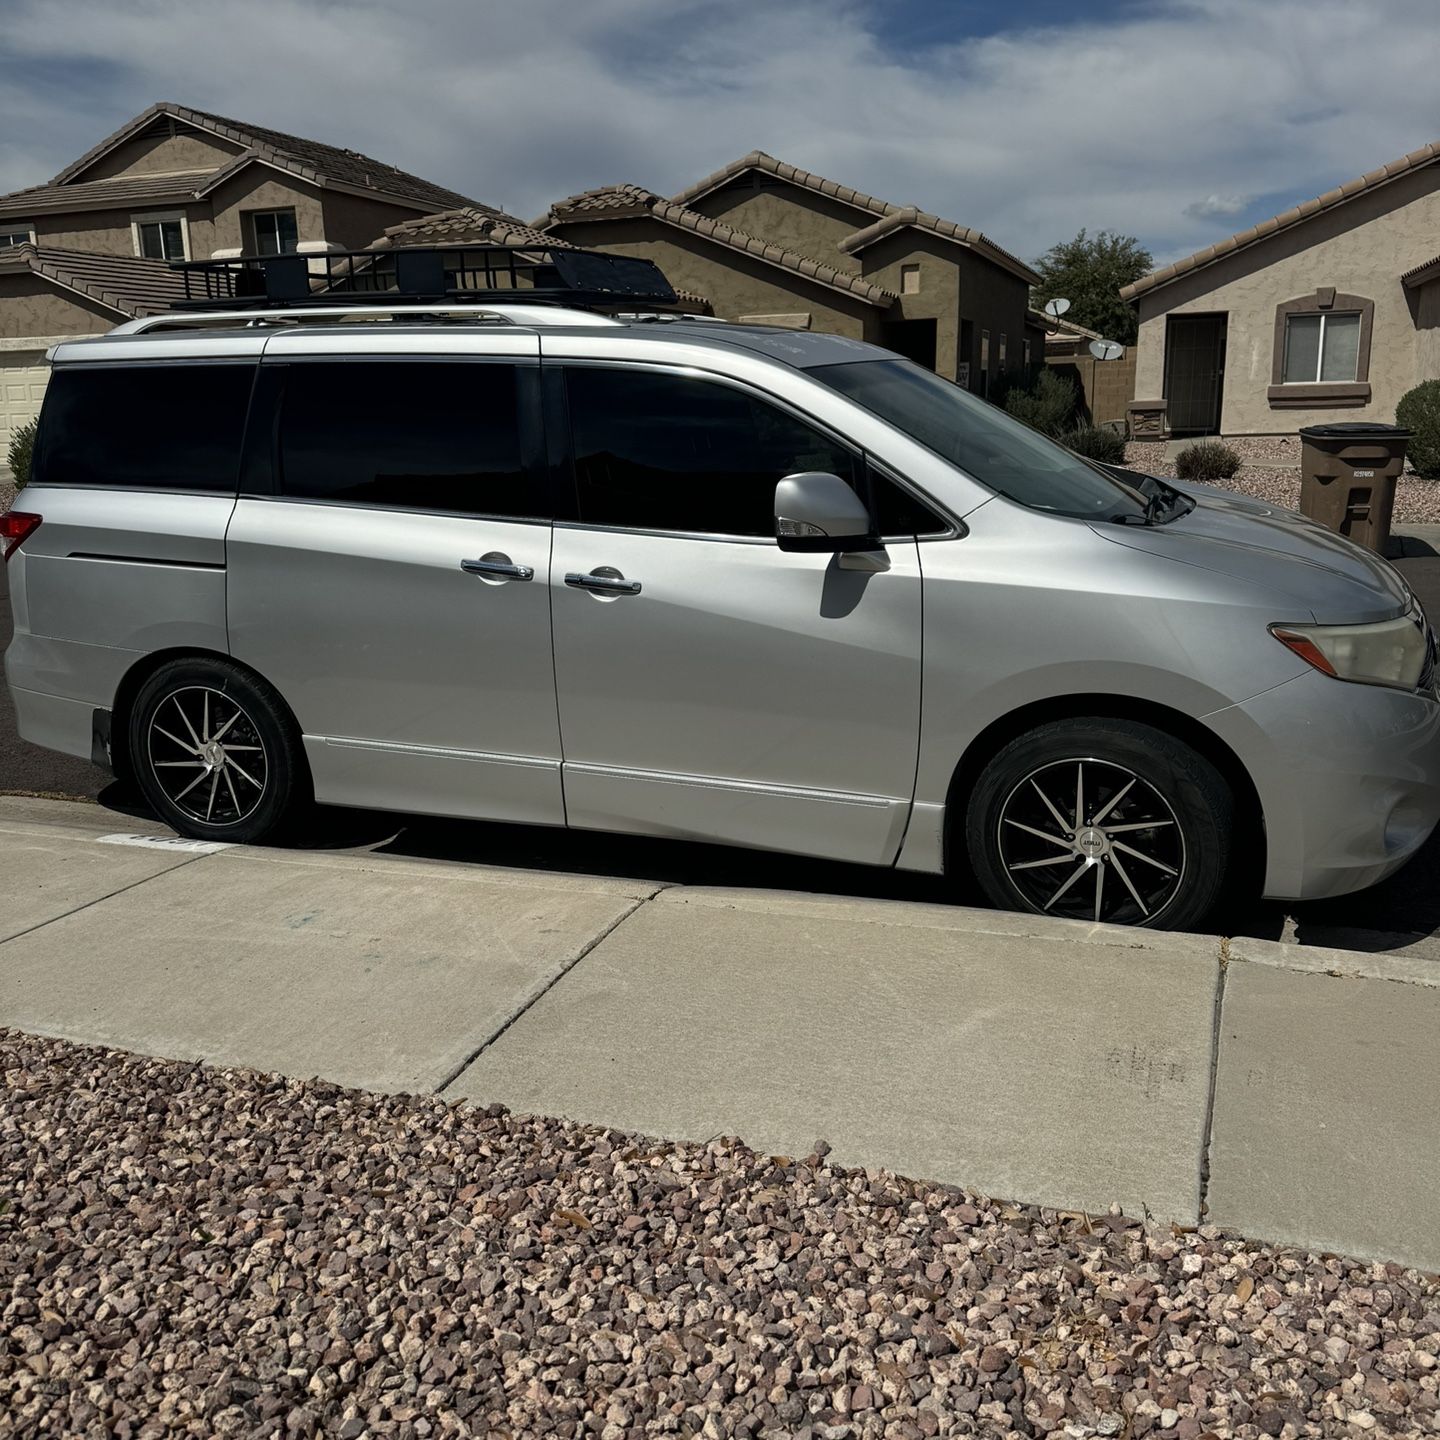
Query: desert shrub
column 22, row 448
column 1206, row 460
column 1096, row 442
column 1048, row 405
column 1419, row 410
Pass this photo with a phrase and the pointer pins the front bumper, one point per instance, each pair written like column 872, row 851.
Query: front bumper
column 1348, row 778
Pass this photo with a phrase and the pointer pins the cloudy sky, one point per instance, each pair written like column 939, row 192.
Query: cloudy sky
column 1179, row 121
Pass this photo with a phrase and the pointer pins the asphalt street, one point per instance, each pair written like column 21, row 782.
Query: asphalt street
column 1403, row 913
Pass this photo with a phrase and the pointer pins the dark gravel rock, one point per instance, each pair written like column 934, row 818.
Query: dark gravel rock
column 217, row 1253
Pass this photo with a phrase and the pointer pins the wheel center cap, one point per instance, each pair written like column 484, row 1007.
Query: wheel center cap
column 214, row 754
column 1092, row 843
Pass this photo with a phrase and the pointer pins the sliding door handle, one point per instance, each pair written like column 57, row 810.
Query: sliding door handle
column 605, row 580
column 497, row 566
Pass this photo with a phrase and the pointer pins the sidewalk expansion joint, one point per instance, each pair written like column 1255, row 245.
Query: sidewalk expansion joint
column 541, row 991
column 101, row 899
column 1215, row 1022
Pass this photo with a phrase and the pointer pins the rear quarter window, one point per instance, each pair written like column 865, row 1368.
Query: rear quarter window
column 145, row 427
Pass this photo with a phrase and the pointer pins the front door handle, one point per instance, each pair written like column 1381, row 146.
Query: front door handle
column 604, row 579
column 498, row 565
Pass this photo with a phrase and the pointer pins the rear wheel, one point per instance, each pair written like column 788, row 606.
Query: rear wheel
column 1102, row 820
column 214, row 751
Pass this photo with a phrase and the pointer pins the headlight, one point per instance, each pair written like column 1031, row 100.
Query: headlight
column 1391, row 652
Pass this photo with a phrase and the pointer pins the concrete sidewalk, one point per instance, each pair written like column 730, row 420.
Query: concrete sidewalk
column 1283, row 1092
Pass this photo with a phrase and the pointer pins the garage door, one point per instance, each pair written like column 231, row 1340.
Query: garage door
column 22, row 385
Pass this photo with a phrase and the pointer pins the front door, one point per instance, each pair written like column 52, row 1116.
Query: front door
column 394, row 588
column 711, row 685
column 1194, row 373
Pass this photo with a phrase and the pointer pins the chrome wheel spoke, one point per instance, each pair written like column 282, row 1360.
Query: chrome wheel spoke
column 1099, row 889
column 1059, row 840
column 194, row 738
column 205, row 719
column 167, row 764
column 1036, row 864
column 1080, row 869
column 230, row 786
column 1050, row 805
column 1138, row 825
column 1079, row 794
column 1126, row 881
column 225, row 728
column 214, row 788
column 1148, row 859
column 176, row 740
column 1112, row 802
column 242, row 772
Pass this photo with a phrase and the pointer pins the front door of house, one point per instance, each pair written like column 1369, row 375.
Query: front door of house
column 1194, row 373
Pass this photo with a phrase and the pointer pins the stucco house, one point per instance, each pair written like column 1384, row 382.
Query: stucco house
column 1328, row 312
column 769, row 242
column 89, row 248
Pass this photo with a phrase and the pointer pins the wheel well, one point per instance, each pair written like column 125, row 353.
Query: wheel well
column 130, row 685
column 1248, row 856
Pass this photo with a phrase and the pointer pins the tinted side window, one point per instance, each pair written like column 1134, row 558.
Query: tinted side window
column 416, row 435
column 672, row 452
column 172, row 427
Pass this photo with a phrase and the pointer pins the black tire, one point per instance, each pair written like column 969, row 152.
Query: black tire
column 1176, row 816
column 246, row 790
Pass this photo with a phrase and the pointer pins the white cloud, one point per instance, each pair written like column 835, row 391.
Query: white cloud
column 1216, row 205
column 1115, row 124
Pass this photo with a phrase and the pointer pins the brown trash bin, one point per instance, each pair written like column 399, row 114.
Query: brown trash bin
column 1347, row 478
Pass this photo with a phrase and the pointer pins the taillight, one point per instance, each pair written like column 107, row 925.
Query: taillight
column 16, row 527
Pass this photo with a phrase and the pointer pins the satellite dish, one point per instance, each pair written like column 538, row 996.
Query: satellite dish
column 1106, row 349
column 1056, row 308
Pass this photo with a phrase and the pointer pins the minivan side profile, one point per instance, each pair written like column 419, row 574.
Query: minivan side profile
column 767, row 588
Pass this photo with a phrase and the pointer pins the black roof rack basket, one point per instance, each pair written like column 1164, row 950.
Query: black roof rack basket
column 423, row 274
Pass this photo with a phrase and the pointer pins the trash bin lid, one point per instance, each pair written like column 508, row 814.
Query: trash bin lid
column 1352, row 429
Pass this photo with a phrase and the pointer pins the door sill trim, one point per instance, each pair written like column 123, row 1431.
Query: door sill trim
column 743, row 787
column 437, row 752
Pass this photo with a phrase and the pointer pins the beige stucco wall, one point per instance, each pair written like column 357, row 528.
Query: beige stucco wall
column 735, row 284
column 1426, row 305
column 106, row 232
column 31, row 305
column 938, row 298
column 789, row 215
column 996, row 301
column 353, row 221
column 157, row 151
column 1361, row 248
column 258, row 187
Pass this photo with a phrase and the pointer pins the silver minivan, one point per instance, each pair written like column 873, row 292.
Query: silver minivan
column 775, row 589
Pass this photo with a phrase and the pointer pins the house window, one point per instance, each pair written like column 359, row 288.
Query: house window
column 909, row 279
column 1004, row 350
column 275, row 232
column 1321, row 354
column 1321, row 347
column 984, row 362
column 14, row 235
column 161, row 237
column 1025, row 352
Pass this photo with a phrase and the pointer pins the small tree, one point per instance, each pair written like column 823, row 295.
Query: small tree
column 1088, row 271
column 1419, row 410
column 22, row 447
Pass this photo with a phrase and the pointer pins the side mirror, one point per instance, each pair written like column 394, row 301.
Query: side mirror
column 819, row 512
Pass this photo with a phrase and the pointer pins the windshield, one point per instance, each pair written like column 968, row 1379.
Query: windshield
column 983, row 441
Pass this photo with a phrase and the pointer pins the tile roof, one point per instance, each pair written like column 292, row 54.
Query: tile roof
column 310, row 159
column 759, row 160
column 946, row 230
column 1415, row 160
column 1430, row 270
column 616, row 201
column 468, row 224
column 1060, row 326
column 120, row 191
column 123, row 283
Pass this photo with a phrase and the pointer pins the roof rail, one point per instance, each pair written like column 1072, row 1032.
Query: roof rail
column 519, row 314
column 457, row 272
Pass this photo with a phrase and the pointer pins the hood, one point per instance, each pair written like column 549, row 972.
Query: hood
column 1327, row 576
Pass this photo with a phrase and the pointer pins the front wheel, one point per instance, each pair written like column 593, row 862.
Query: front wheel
column 1102, row 820
column 215, row 752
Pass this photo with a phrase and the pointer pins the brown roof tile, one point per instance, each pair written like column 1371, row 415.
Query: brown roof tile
column 946, row 229
column 1422, row 274
column 759, row 160
column 615, row 201
column 125, row 284
column 1415, row 160
column 121, row 191
column 466, row 224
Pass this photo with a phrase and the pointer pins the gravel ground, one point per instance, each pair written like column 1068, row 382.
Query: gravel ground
column 189, row 1251
column 7, row 495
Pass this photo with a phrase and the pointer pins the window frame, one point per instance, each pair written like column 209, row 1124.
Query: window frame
column 169, row 362
column 7, row 228
column 1317, row 394
column 161, row 217
column 561, row 441
column 260, row 462
column 251, row 216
